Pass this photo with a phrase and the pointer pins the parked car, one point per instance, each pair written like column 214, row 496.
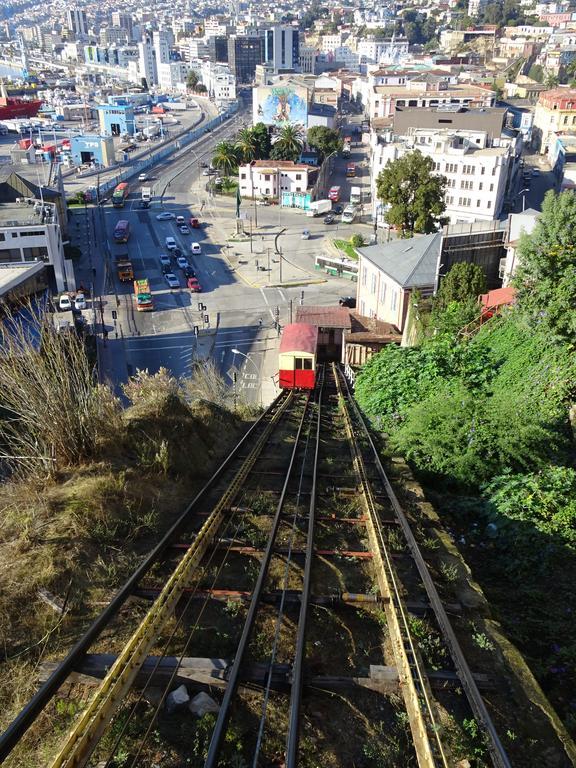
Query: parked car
column 142, row 177
column 194, row 285
column 195, row 249
column 64, row 302
column 182, row 262
column 184, row 229
column 171, row 244
column 164, row 260
column 305, row 235
column 330, row 219
column 347, row 301
column 203, row 164
column 218, row 180
column 180, row 220
column 195, row 223
column 189, row 272
column 209, row 171
column 172, row 280
column 263, row 202
column 80, row 301
column 165, row 216
column 337, row 209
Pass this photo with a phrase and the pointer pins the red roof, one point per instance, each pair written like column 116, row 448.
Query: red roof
column 299, row 337
column 498, row 297
column 324, row 317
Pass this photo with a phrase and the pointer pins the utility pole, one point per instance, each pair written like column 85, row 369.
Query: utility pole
column 268, row 253
column 280, row 254
column 251, row 247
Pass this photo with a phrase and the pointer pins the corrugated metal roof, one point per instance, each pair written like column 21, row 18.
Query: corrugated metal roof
column 324, row 317
column 299, row 337
column 411, row 263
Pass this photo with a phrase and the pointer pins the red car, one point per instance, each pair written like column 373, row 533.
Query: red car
column 194, row 223
column 194, row 285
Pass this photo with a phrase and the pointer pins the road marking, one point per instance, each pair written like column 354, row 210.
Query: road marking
column 264, row 297
column 139, row 348
column 281, row 292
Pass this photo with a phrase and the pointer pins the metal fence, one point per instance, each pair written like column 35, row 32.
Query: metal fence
column 145, row 163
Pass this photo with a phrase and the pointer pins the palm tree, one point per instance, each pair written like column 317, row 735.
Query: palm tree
column 225, row 157
column 289, row 143
column 246, row 144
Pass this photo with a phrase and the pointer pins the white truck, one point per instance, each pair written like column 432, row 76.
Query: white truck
column 355, row 195
column 147, row 194
column 319, row 208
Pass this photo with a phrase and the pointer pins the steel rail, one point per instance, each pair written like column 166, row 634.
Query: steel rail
column 495, row 746
column 234, row 677
column 416, row 692
column 15, row 731
column 293, row 736
column 86, row 732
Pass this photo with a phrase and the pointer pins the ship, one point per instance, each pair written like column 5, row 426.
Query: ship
column 12, row 107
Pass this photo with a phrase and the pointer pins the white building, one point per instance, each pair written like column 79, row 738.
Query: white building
column 477, row 173
column 219, row 81
column 172, row 75
column 147, row 61
column 281, row 47
column 390, row 51
column 269, row 178
column 163, row 39
column 31, row 233
column 77, row 22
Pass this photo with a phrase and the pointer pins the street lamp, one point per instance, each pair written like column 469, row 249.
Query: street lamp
column 523, row 193
column 237, row 352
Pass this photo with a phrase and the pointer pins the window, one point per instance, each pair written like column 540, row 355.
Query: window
column 266, row 177
column 2, row 237
column 31, row 254
column 298, row 176
column 373, row 284
column 382, row 292
column 11, row 254
column 14, row 234
column 464, row 202
column 364, row 276
column 494, row 171
column 468, row 170
column 480, row 185
column 466, row 185
column 242, row 175
column 33, row 233
column 303, row 363
column 393, row 299
column 491, row 187
column 478, row 203
column 489, row 204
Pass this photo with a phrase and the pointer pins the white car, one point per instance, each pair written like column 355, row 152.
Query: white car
column 172, row 280
column 143, row 177
column 80, row 301
column 184, row 230
column 305, row 235
column 180, row 220
column 165, row 216
column 195, row 249
column 64, row 302
column 262, row 202
column 164, row 260
column 182, row 262
column 171, row 244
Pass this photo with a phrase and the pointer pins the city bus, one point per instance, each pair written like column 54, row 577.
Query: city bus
column 122, row 231
column 120, row 194
column 334, row 194
column 351, row 170
column 337, row 267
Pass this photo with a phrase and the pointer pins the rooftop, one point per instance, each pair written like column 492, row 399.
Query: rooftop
column 22, row 214
column 410, row 263
column 11, row 275
column 324, row 317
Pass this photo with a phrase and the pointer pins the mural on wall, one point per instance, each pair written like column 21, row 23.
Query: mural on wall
column 281, row 105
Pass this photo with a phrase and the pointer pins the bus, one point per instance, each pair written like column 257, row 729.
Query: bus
column 120, row 194
column 122, row 231
column 337, row 267
column 349, row 214
column 334, row 194
column 351, row 170
column 144, row 302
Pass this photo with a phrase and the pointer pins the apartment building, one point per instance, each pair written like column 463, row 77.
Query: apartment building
column 244, row 53
column 426, row 91
column 270, row 178
column 480, row 169
column 77, row 22
column 219, row 81
column 555, row 113
column 282, row 47
column 390, row 51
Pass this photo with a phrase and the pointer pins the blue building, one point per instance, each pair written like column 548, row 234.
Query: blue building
column 116, row 119
column 92, row 149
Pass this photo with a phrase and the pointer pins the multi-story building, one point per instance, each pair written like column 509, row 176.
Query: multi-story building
column 426, row 91
column 270, row 178
column 244, row 53
column 308, row 59
column 282, row 47
column 113, row 36
column 217, row 48
column 124, row 21
column 480, row 167
column 77, row 22
column 163, row 40
column 390, row 51
column 219, row 81
column 147, row 60
column 172, row 75
column 555, row 113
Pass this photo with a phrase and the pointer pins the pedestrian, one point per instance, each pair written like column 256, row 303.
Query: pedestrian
column 260, row 322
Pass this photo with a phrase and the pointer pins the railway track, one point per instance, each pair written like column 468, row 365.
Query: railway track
column 284, row 591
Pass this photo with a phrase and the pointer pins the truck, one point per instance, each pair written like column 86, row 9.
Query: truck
column 152, row 130
column 144, row 301
column 334, row 194
column 355, row 195
column 147, row 194
column 319, row 208
column 124, row 268
column 349, row 214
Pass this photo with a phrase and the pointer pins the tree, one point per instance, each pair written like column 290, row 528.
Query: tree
column 246, row 145
column 414, row 193
column 225, row 157
column 325, row 140
column 551, row 80
column 545, row 280
column 463, row 282
column 288, row 145
column 263, row 141
column 201, row 88
column 192, row 80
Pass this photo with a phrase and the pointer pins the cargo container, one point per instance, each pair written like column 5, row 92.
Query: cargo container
column 319, row 207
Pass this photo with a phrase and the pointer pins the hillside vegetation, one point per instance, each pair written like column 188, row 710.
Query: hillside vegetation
column 485, row 420
column 82, row 508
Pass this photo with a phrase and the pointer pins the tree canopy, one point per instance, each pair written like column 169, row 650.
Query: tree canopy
column 324, row 140
column 192, row 80
column 463, row 282
column 225, row 157
column 413, row 192
column 289, row 143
